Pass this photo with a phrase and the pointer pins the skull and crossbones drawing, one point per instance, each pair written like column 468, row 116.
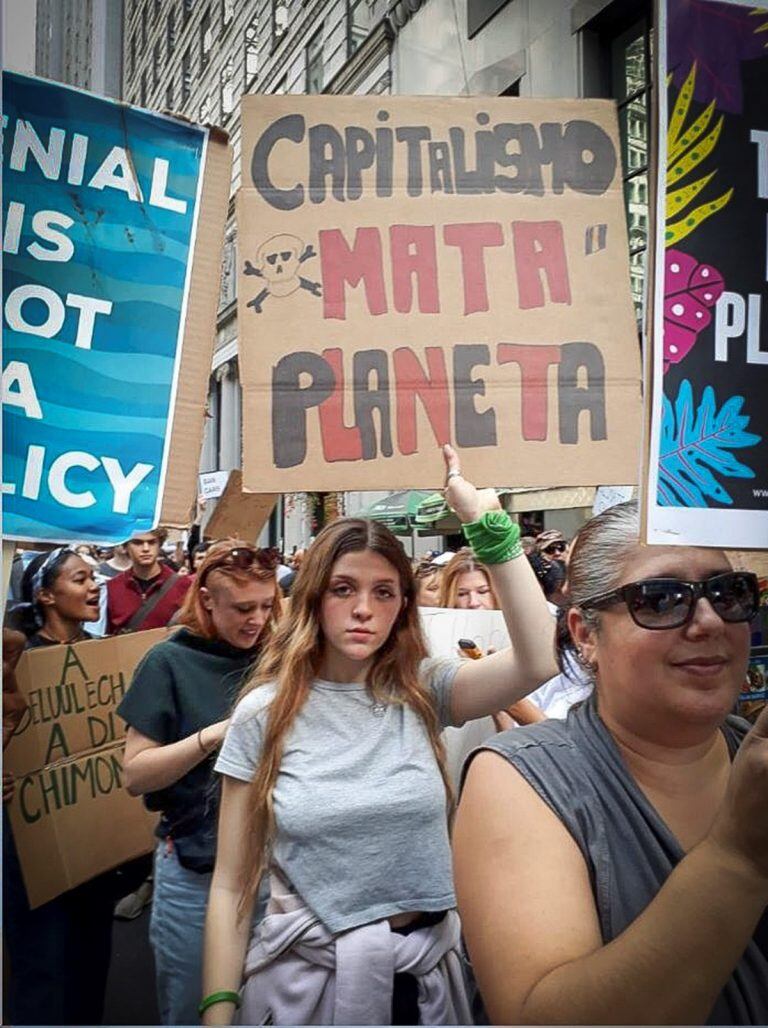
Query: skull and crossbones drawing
column 278, row 261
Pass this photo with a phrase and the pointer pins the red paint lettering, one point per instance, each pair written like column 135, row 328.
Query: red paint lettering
column 539, row 247
column 413, row 252
column 432, row 390
column 534, row 361
column 341, row 265
column 472, row 240
column 339, row 442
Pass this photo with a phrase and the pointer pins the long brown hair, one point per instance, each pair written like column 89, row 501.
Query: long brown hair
column 213, row 568
column 293, row 657
column 460, row 564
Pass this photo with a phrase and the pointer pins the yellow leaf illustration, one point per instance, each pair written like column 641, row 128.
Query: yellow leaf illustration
column 691, row 134
column 694, row 156
column 682, row 104
column 677, row 230
column 678, row 199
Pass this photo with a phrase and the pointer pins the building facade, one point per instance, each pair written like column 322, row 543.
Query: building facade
column 80, row 42
column 198, row 57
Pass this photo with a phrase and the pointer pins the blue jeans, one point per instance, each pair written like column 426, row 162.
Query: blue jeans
column 176, row 933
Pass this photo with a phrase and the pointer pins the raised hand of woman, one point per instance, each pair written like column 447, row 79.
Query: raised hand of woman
column 461, row 496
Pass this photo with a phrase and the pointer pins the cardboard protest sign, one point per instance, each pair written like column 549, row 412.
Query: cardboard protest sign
column 239, row 514
column 71, row 816
column 707, row 460
column 113, row 225
column 442, row 629
column 417, row 271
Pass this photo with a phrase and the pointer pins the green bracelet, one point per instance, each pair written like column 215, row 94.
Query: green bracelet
column 219, row 997
column 494, row 538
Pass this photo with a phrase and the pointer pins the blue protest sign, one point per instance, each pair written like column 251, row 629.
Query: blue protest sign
column 101, row 204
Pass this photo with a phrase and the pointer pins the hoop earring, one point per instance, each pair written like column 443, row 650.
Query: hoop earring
column 588, row 665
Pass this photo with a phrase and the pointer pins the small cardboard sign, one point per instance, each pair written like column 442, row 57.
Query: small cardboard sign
column 71, row 815
column 240, row 514
column 211, row 484
column 417, row 271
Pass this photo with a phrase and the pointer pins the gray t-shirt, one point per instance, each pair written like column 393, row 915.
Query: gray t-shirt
column 360, row 806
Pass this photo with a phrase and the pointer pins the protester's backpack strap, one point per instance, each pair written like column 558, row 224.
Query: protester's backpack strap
column 148, row 605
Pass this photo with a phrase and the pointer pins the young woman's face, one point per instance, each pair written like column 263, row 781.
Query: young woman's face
column 428, row 590
column 473, row 592
column 239, row 610
column 690, row 675
column 74, row 594
column 359, row 608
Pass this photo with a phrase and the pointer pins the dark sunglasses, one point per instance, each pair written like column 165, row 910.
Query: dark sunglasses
column 659, row 603
column 243, row 558
column 557, row 547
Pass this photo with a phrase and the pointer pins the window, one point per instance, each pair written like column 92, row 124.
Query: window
column 156, row 12
column 631, row 81
column 206, row 38
column 251, row 51
column 279, row 21
column 228, row 96
column 169, row 96
column 186, row 75
column 362, row 16
column 227, row 11
column 314, row 58
column 156, row 59
column 143, row 93
column 187, row 6
column 133, row 54
column 170, row 32
column 143, row 29
column 282, row 86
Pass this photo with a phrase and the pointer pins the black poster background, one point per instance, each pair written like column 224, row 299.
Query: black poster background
column 733, row 240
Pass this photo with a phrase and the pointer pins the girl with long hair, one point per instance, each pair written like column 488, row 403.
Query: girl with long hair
column 177, row 711
column 334, row 785
column 466, row 583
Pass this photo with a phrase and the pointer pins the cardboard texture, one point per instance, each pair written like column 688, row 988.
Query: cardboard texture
column 113, row 226
column 71, row 815
column 239, row 514
column 414, row 271
column 199, row 336
column 706, row 459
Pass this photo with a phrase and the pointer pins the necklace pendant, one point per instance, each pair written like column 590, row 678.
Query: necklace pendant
column 378, row 709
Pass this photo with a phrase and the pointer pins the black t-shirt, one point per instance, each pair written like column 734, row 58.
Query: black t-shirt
column 183, row 684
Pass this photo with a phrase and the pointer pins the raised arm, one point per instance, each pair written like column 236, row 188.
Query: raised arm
column 485, row 686
column 530, row 922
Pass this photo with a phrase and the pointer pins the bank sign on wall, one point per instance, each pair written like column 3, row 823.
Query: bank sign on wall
column 419, row 271
column 101, row 211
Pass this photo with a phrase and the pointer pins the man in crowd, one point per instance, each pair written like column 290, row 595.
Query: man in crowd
column 148, row 593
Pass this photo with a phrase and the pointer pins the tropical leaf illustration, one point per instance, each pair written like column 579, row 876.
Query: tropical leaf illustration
column 759, row 12
column 696, row 445
column 686, row 149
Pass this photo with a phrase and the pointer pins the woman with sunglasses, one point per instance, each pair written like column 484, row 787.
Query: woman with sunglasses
column 177, row 710
column 334, row 782
column 613, row 868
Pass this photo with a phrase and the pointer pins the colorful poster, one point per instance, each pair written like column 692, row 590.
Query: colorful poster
column 707, row 481
column 101, row 210
column 419, row 271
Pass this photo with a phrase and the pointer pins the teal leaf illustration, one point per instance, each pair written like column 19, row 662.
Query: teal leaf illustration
column 696, row 447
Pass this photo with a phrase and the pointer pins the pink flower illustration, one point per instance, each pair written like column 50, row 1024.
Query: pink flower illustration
column 690, row 291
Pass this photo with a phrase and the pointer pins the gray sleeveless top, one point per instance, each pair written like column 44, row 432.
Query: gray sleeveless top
column 577, row 769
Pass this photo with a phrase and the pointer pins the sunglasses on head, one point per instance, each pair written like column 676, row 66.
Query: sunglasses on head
column 659, row 603
column 243, row 558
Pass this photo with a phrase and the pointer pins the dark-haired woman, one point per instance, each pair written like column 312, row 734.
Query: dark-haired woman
column 58, row 953
column 177, row 709
column 334, row 782
column 613, row 868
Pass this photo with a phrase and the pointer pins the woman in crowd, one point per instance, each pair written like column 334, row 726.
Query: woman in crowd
column 466, row 583
column 177, row 709
column 334, row 782
column 613, row 868
column 58, row 953
column 59, row 595
column 427, row 577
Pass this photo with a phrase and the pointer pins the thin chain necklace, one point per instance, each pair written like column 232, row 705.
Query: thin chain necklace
column 62, row 642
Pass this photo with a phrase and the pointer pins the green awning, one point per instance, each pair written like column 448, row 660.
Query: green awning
column 397, row 511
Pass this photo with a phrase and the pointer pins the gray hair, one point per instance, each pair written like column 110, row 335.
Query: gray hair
column 598, row 554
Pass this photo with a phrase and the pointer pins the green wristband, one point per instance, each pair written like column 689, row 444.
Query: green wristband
column 213, row 998
column 494, row 538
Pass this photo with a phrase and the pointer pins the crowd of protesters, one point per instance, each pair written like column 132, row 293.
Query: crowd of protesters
column 304, row 753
